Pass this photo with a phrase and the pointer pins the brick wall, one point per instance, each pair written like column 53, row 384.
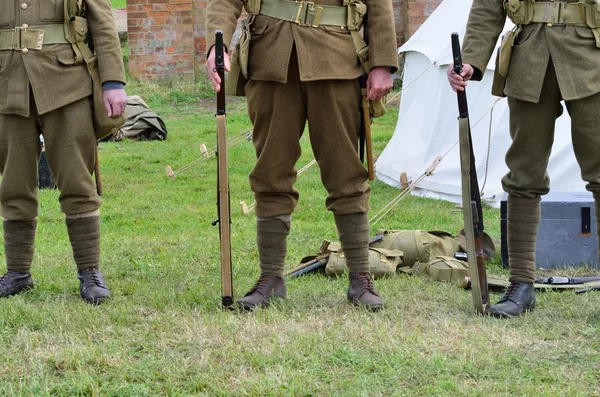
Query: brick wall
column 167, row 39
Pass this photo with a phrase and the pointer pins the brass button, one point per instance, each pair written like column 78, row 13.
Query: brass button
column 24, row 6
column 25, row 50
column 24, row 26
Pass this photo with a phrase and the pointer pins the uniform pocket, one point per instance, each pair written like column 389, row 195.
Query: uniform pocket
column 584, row 32
column 67, row 57
column 6, row 13
column 51, row 10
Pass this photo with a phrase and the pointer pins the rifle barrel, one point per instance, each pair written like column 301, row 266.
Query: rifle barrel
column 220, row 66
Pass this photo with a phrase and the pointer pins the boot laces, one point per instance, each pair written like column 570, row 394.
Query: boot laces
column 365, row 282
column 262, row 281
column 512, row 289
column 94, row 276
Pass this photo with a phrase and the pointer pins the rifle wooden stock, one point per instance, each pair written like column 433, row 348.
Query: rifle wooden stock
column 97, row 176
column 312, row 265
column 366, row 121
column 472, row 211
column 223, row 201
column 365, row 132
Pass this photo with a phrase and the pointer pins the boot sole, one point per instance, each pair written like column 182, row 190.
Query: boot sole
column 249, row 307
column 371, row 308
column 503, row 314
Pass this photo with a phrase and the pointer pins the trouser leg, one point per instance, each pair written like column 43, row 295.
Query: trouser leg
column 70, row 146
column 585, row 135
column 278, row 116
column 20, row 150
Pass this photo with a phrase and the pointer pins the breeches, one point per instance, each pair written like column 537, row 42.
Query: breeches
column 532, row 132
column 279, row 113
column 70, row 147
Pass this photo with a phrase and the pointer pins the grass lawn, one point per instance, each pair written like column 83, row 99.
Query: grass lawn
column 164, row 332
column 118, row 3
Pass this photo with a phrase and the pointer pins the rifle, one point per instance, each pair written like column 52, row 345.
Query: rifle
column 365, row 128
column 581, row 284
column 320, row 261
column 556, row 280
column 223, row 201
column 472, row 212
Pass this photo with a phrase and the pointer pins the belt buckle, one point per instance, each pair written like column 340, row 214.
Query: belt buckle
column 16, row 34
column 308, row 14
column 18, row 39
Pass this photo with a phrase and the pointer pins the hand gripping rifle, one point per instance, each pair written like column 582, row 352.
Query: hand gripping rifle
column 473, row 214
column 223, row 202
column 365, row 128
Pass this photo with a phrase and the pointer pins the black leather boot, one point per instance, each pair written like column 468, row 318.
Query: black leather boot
column 13, row 283
column 92, row 287
column 518, row 298
column 266, row 287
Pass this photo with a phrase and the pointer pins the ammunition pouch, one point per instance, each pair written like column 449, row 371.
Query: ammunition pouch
column 503, row 60
column 443, row 268
column 559, row 13
column 252, row 7
column 418, row 246
column 382, row 262
column 76, row 33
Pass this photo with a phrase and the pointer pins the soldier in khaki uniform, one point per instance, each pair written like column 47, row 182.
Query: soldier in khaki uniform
column 555, row 56
column 303, row 66
column 45, row 89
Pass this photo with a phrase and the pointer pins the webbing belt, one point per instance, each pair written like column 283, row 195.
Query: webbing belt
column 559, row 13
column 31, row 37
column 305, row 13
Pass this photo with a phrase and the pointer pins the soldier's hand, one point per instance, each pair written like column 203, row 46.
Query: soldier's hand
column 211, row 69
column 458, row 82
column 379, row 83
column 114, row 102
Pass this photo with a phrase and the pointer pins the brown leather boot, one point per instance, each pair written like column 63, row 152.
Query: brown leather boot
column 266, row 287
column 362, row 291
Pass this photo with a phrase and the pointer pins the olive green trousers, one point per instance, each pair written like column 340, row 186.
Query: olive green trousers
column 70, row 147
column 279, row 113
column 532, row 132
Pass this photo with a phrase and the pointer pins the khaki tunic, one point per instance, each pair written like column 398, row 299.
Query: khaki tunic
column 46, row 92
column 51, row 73
column 548, row 64
column 299, row 74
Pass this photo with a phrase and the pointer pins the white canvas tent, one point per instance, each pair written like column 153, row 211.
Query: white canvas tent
column 427, row 123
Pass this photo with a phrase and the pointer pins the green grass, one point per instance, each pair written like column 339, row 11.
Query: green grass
column 164, row 332
column 118, row 3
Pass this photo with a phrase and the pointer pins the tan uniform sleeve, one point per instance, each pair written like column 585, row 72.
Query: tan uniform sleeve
column 223, row 15
column 383, row 49
column 105, row 39
column 486, row 21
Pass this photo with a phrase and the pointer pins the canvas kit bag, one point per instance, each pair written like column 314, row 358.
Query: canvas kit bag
column 415, row 252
